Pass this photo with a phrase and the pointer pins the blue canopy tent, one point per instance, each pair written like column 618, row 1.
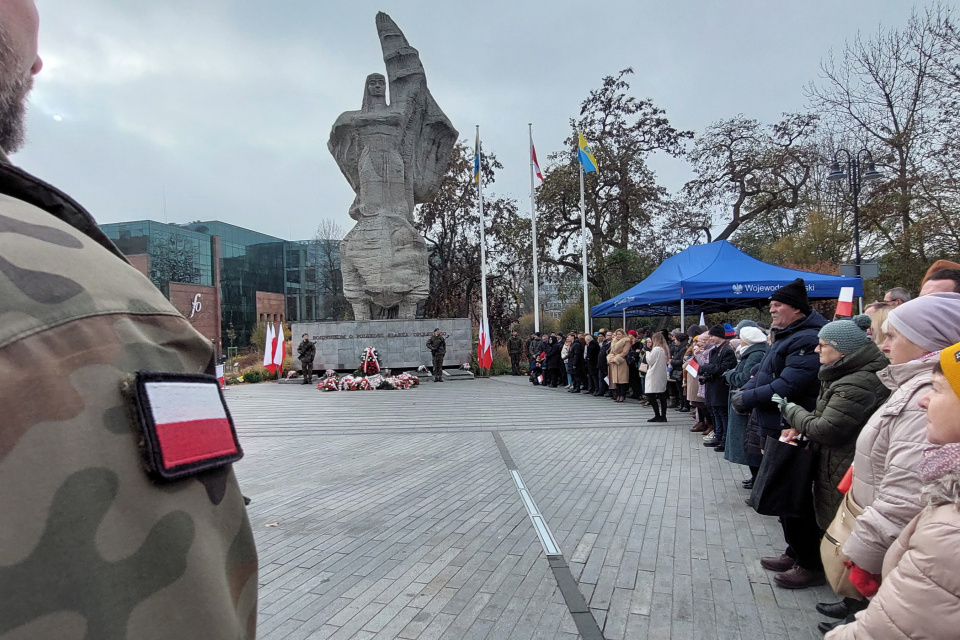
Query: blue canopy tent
column 708, row 278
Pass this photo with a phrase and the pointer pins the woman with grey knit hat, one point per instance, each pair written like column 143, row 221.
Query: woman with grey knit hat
column 850, row 392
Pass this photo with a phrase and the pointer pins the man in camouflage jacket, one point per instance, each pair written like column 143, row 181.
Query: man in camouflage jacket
column 90, row 545
column 306, row 352
column 515, row 349
column 438, row 347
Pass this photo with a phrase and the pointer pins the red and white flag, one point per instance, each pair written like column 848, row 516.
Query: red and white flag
column 220, row 378
column 484, row 351
column 191, row 422
column 845, row 302
column 279, row 351
column 536, row 165
column 268, row 347
column 692, row 367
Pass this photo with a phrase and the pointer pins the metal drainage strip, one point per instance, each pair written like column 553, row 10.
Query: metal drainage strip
column 576, row 603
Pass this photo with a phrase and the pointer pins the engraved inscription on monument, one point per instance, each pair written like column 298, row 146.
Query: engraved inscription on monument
column 394, row 156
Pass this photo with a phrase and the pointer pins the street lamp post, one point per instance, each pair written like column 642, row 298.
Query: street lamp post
column 852, row 171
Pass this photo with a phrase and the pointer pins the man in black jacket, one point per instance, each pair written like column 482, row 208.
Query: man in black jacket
column 602, row 387
column 575, row 363
column 533, row 350
column 789, row 370
column 592, row 351
column 722, row 359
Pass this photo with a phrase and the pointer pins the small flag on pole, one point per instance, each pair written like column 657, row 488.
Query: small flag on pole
column 692, row 367
column 279, row 351
column 845, row 302
column 268, row 347
column 484, row 352
column 536, row 165
column 586, row 156
column 703, row 321
column 220, row 378
column 476, row 159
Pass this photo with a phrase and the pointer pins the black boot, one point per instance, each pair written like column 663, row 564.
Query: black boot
column 842, row 609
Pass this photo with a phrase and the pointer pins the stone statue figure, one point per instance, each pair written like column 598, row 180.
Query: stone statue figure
column 394, row 156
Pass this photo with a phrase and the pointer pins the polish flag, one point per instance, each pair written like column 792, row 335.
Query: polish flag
column 220, row 377
column 692, row 367
column 536, row 165
column 191, row 422
column 280, row 350
column 268, row 347
column 484, row 352
column 845, row 302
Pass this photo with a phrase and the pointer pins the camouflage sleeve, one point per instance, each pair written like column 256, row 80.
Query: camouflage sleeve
column 90, row 547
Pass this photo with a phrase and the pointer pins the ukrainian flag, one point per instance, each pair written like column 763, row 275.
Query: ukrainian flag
column 476, row 160
column 586, row 157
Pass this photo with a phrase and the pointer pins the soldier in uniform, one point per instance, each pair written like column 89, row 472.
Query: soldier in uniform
column 438, row 347
column 515, row 349
column 306, row 352
column 100, row 538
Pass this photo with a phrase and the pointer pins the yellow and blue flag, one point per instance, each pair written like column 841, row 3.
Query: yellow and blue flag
column 476, row 160
column 586, row 156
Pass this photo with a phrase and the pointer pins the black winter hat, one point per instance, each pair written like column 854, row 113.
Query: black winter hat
column 795, row 295
column 718, row 330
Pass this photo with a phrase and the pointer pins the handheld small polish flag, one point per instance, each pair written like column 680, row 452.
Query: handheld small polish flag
column 268, row 345
column 845, row 302
column 692, row 367
column 484, row 353
column 280, row 351
column 220, row 378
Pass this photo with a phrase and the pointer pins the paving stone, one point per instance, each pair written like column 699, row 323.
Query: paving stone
column 397, row 518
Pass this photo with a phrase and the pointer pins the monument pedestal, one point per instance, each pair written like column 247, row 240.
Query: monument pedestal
column 402, row 344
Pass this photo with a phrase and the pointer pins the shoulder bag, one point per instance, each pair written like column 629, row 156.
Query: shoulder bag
column 831, row 549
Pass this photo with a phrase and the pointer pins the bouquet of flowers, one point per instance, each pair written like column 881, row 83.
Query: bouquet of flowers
column 329, row 384
column 369, row 362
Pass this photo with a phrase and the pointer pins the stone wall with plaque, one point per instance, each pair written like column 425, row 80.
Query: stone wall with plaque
column 402, row 344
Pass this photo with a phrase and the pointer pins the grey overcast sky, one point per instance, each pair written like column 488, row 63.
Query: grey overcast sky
column 181, row 110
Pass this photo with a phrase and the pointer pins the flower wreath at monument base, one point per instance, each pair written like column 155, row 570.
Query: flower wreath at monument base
column 367, row 378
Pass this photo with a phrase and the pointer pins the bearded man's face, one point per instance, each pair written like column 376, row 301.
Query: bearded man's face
column 15, row 85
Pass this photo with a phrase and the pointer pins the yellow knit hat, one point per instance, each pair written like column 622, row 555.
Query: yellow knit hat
column 950, row 363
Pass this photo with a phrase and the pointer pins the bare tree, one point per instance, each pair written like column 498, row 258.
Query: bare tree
column 326, row 249
column 745, row 172
column 879, row 92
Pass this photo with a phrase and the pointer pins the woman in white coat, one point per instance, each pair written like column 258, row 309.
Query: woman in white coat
column 655, row 385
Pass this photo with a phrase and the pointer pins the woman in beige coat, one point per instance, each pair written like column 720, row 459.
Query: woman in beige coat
column 617, row 369
column 886, row 478
column 919, row 596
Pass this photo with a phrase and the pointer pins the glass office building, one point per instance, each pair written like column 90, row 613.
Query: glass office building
column 306, row 273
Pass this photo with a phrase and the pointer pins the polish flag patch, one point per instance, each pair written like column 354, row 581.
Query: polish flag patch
column 186, row 425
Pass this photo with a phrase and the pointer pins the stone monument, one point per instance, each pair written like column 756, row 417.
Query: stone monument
column 394, row 156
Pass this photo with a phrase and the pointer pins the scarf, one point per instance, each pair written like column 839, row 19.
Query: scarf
column 939, row 460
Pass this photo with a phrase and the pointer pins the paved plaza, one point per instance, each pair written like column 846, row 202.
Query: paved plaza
column 398, row 514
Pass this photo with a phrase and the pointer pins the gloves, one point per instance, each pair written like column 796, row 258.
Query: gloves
column 737, row 403
column 866, row 583
column 778, row 400
column 784, row 407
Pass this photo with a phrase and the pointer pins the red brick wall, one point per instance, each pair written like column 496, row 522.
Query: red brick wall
column 207, row 319
column 270, row 307
column 140, row 262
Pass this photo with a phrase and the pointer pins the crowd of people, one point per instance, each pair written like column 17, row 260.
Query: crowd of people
column 875, row 397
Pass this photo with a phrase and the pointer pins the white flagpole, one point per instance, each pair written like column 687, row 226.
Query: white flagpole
column 583, row 238
column 533, row 231
column 483, row 245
